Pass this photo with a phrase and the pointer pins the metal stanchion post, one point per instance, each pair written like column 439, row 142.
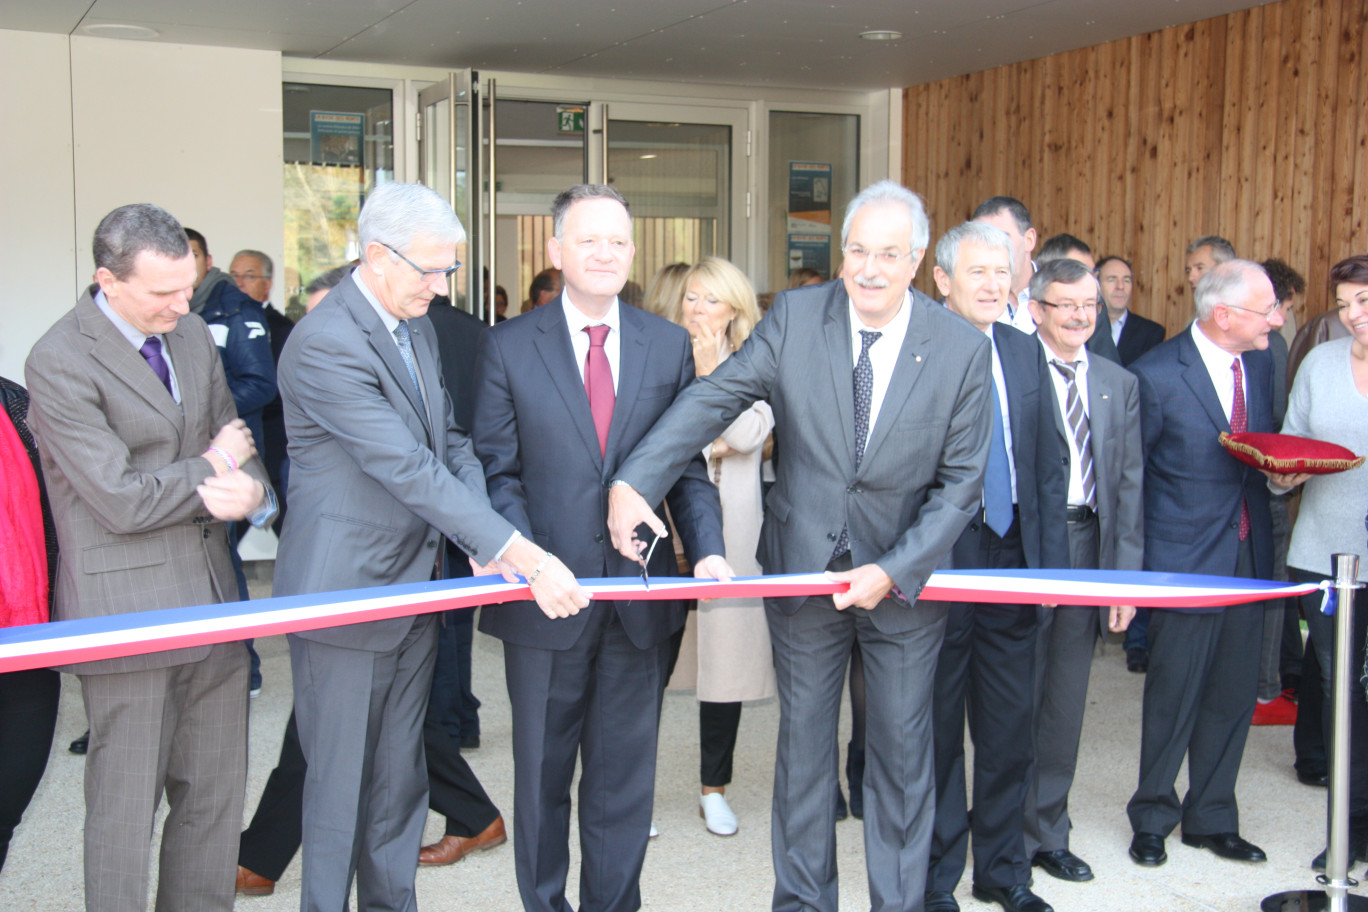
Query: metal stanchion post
column 1335, row 897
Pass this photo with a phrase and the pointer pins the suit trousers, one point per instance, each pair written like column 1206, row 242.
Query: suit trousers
column 1064, row 654
column 1199, row 698
column 811, row 649
column 360, row 717
column 600, row 700
column 273, row 836
column 181, row 730
column 987, row 666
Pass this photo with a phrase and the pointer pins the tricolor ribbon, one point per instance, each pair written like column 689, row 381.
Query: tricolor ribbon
column 90, row 639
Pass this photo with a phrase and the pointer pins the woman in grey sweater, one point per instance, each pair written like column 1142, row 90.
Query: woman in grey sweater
column 1329, row 401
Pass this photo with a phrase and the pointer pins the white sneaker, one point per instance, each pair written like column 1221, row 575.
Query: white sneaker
column 717, row 814
column 654, row 832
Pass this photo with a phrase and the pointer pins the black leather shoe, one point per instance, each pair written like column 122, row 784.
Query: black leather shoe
column 1226, row 845
column 940, row 901
column 1137, row 659
column 81, row 744
column 1012, row 899
column 1148, row 849
column 1358, row 851
column 1319, row 780
column 841, row 812
column 1063, row 864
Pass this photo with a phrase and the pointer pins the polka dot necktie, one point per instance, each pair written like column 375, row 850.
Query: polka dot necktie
column 864, row 393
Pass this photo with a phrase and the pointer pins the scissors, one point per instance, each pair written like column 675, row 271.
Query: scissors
column 646, row 577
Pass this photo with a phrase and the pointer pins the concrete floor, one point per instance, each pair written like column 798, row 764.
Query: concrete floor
column 689, row 869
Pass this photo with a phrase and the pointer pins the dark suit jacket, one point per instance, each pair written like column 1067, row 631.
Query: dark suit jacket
column 375, row 482
column 1138, row 335
column 458, row 340
column 1100, row 342
column 1042, row 480
column 122, row 460
column 1193, row 488
column 273, row 440
column 535, row 435
column 921, row 477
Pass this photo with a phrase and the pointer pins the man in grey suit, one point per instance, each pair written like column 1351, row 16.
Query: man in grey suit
column 145, row 459
column 380, row 472
column 1096, row 410
column 884, row 452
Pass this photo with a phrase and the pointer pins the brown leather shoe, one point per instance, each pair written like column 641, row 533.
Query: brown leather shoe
column 250, row 883
column 452, row 849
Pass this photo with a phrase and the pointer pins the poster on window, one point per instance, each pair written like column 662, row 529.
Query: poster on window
column 812, row 251
column 809, row 202
column 335, row 137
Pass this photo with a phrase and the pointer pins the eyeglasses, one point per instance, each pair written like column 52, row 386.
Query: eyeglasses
column 1277, row 305
column 858, row 254
column 1083, row 308
column 445, row 273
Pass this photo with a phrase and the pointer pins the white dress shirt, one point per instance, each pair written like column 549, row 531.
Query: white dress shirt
column 138, row 339
column 1000, row 381
column 1118, row 325
column 579, row 339
column 1061, row 388
column 1219, row 364
column 883, row 353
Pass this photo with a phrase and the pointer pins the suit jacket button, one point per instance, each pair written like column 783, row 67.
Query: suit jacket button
column 431, row 545
column 1064, row 460
column 831, row 536
column 599, row 538
column 206, row 531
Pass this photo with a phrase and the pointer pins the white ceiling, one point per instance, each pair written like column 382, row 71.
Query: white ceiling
column 797, row 43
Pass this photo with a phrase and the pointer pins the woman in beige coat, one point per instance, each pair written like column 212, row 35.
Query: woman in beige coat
column 733, row 647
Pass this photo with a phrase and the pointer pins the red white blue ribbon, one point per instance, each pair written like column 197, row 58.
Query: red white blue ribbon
column 90, row 639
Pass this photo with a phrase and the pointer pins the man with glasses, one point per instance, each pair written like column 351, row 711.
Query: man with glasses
column 987, row 662
column 881, row 407
column 1204, row 513
column 380, row 474
column 1097, row 419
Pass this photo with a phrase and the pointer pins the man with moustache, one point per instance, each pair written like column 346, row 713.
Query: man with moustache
column 1097, row 418
column 987, row 662
column 881, row 411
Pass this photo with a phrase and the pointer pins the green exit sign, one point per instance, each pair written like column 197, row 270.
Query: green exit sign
column 570, row 118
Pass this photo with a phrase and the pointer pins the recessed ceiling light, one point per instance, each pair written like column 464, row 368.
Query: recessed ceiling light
column 651, row 155
column 881, row 35
column 120, row 30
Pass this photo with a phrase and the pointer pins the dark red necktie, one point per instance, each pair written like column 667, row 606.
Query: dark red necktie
column 1239, row 423
column 598, row 383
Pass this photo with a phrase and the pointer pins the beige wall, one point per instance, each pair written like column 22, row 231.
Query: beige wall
column 37, row 234
column 193, row 129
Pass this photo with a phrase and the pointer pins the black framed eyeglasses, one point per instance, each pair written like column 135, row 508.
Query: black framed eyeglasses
column 445, row 273
column 1083, row 308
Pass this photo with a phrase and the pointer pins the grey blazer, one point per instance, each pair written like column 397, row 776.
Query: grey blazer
column 922, row 473
column 374, row 481
column 122, row 461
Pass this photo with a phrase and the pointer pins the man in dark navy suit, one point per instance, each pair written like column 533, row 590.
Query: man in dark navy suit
column 1204, row 513
column 1133, row 334
column 563, row 395
column 987, row 661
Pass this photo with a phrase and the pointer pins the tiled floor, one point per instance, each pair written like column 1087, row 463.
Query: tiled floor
column 688, row 869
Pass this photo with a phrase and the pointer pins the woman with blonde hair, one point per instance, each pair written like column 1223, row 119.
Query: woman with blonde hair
column 734, row 662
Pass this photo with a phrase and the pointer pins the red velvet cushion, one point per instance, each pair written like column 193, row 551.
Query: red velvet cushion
column 1288, row 455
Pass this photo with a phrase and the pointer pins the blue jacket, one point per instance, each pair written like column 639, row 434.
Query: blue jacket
column 238, row 325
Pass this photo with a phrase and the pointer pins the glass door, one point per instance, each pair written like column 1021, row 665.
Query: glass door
column 683, row 170
column 449, row 162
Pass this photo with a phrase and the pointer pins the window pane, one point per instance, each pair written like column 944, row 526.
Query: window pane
column 339, row 143
column 814, row 173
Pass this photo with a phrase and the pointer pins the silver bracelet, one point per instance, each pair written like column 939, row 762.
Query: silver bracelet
column 540, row 567
column 223, row 454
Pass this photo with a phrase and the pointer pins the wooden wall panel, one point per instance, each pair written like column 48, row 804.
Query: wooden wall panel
column 1247, row 125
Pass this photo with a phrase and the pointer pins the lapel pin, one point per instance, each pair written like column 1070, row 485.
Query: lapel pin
column 918, row 357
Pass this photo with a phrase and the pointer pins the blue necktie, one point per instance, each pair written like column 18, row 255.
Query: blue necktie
column 997, row 482
column 405, row 341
